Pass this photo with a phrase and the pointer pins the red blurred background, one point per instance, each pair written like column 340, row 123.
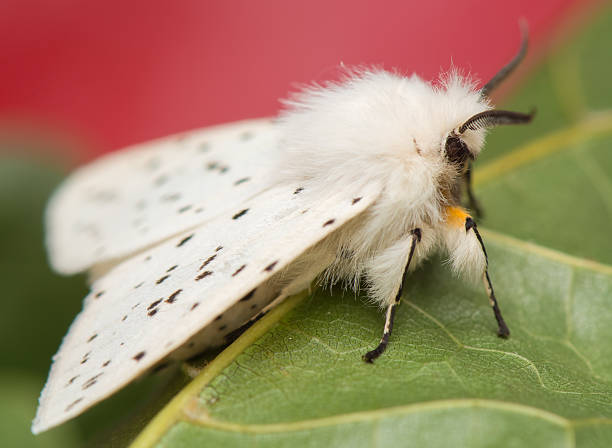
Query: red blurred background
column 110, row 73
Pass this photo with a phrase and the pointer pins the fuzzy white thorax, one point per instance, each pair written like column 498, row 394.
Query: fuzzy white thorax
column 373, row 126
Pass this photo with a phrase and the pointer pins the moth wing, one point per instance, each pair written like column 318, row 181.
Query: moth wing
column 131, row 199
column 149, row 306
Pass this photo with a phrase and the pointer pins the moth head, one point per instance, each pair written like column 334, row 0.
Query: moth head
column 464, row 142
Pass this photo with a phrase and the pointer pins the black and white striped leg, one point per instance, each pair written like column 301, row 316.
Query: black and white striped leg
column 473, row 203
column 390, row 314
column 502, row 330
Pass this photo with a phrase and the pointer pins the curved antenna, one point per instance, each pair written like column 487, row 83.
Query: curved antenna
column 510, row 66
column 491, row 118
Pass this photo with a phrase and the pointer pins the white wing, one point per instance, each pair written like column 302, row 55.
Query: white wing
column 150, row 305
column 131, row 199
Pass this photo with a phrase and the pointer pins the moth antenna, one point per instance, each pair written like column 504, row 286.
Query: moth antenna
column 510, row 66
column 492, row 118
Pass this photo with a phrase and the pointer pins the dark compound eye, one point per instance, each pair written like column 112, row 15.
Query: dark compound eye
column 457, row 151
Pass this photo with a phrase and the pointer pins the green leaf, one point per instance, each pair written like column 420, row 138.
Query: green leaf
column 296, row 377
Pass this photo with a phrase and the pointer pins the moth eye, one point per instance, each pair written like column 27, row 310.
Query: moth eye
column 457, row 151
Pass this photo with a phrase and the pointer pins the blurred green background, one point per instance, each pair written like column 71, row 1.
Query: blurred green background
column 569, row 85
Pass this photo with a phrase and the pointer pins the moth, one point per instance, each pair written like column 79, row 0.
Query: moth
column 188, row 238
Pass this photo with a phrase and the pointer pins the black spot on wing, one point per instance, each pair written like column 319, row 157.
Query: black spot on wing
column 172, row 268
column 154, row 304
column 138, row 356
column 73, row 404
column 152, row 313
column 161, row 280
column 184, row 240
column 237, row 271
column 207, row 261
column 92, row 337
column 124, row 318
column 106, row 363
column 218, row 248
column 173, row 296
column 203, row 275
column 329, row 222
column 240, row 213
column 184, row 208
column 355, row 200
column 194, row 306
column 270, row 267
column 99, row 294
column 298, row 190
column 138, row 285
column 91, row 381
column 241, row 181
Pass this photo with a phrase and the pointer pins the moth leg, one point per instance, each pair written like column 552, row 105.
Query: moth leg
column 473, row 203
column 457, row 218
column 502, row 330
column 370, row 356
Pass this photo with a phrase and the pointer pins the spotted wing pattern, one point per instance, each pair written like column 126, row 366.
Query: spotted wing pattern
column 149, row 305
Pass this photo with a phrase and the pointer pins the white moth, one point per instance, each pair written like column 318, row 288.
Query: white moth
column 188, row 238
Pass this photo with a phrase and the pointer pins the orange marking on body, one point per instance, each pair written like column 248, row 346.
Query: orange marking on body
column 456, row 216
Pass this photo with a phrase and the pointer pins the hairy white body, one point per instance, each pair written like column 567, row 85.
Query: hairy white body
column 188, row 238
column 377, row 126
